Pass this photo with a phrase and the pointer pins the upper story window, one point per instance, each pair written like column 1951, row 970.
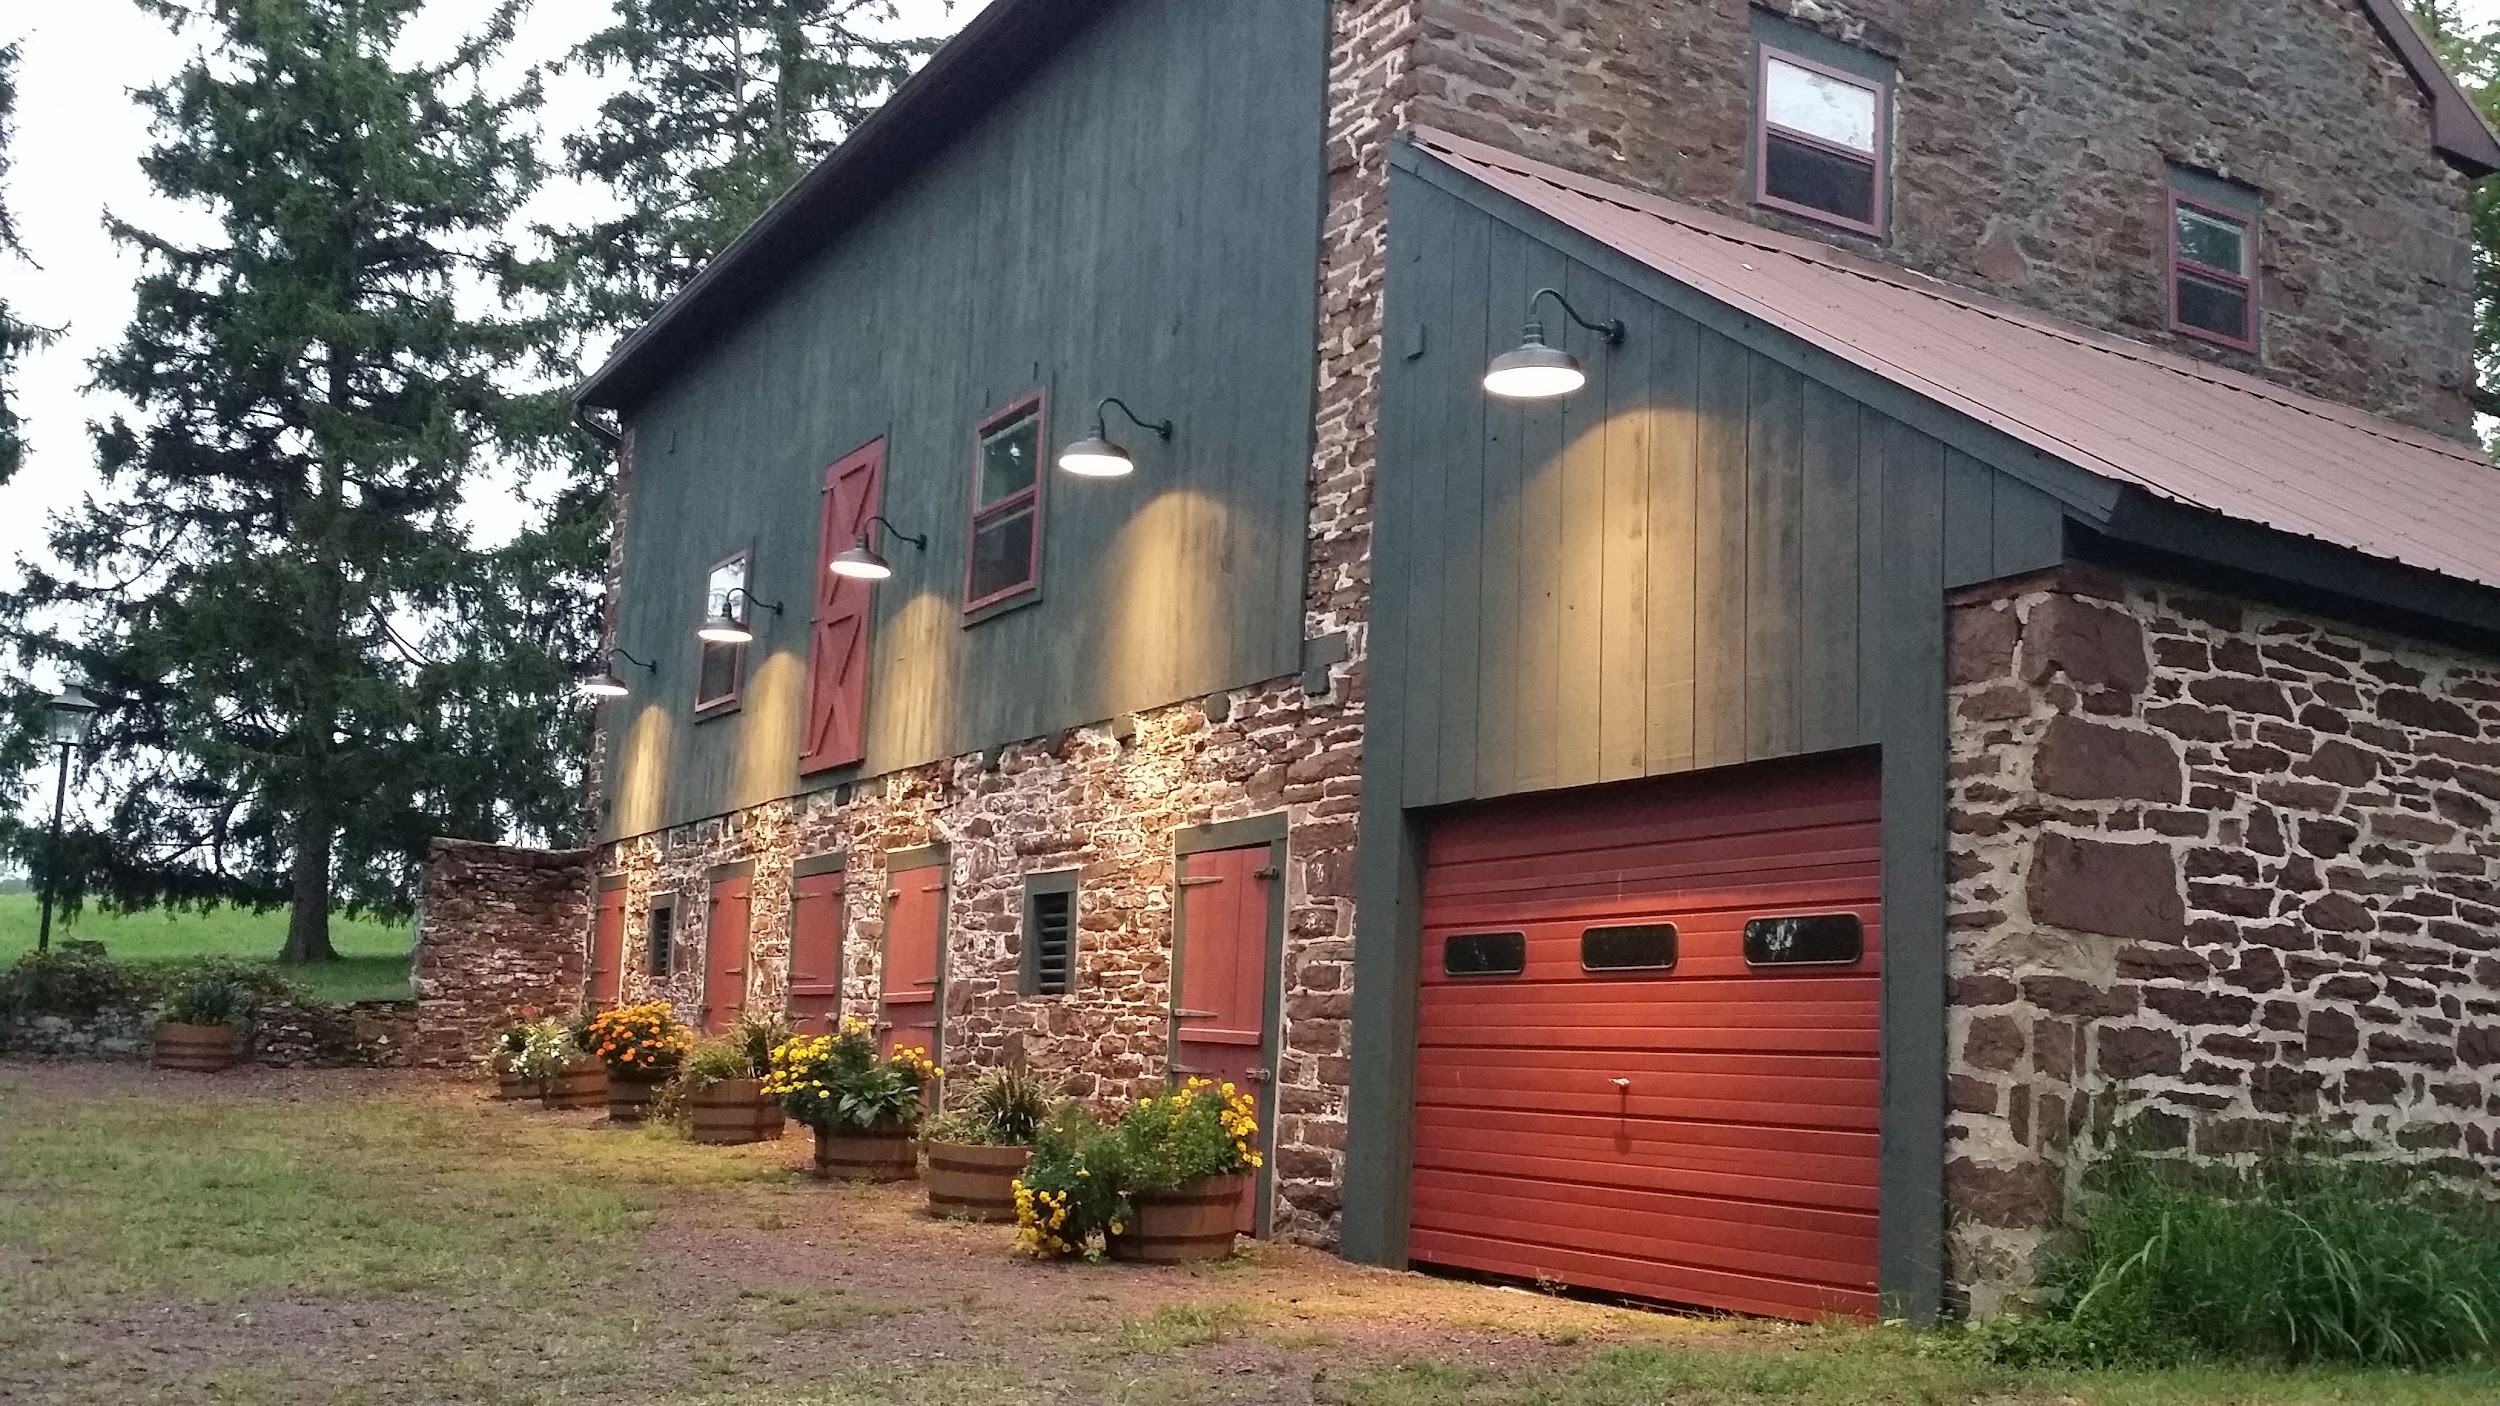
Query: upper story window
column 2213, row 260
column 1006, row 555
column 722, row 666
column 1820, row 140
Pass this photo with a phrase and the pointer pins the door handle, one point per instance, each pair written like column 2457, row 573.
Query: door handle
column 1623, row 1084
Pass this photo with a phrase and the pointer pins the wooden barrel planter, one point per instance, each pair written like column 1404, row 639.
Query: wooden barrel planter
column 583, row 1084
column 200, row 1049
column 1193, row 1222
column 732, row 1112
column 630, row 1097
column 511, row 1087
column 881, row 1154
column 974, row 1181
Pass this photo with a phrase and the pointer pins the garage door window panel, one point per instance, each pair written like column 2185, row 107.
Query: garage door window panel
column 1805, row 940
column 1485, row 954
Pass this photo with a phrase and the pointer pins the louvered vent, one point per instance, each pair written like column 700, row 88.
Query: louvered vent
column 1053, row 934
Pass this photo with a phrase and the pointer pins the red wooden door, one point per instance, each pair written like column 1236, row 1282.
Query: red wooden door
column 837, row 651
column 607, row 950
column 1704, row 1132
column 725, row 955
column 816, row 953
column 913, row 982
column 1220, row 1017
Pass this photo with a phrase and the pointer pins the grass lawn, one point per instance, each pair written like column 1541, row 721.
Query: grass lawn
column 360, row 1238
column 372, row 965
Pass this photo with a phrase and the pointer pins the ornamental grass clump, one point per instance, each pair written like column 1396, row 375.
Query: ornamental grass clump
column 1007, row 1108
column 839, row 1083
column 2304, row 1257
column 645, row 1042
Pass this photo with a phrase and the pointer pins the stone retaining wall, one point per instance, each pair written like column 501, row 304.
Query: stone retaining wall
column 361, row 1034
column 500, row 928
column 2217, row 871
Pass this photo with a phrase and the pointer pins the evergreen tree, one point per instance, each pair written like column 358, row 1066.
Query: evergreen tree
column 16, row 337
column 724, row 104
column 275, row 590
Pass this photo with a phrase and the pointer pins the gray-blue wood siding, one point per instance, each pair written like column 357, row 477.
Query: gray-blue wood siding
column 1140, row 218
column 1704, row 557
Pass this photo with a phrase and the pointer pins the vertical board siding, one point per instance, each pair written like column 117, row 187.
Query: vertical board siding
column 1705, row 557
column 1139, row 218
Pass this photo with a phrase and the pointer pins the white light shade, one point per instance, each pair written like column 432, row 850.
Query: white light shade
column 1534, row 371
column 720, row 629
column 1096, row 457
column 604, row 684
column 861, row 563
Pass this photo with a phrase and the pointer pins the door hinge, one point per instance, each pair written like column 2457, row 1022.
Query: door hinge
column 1270, row 872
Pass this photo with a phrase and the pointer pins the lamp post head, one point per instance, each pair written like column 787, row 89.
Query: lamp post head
column 70, row 714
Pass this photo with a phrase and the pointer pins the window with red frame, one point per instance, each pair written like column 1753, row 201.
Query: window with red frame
column 1006, row 554
column 1819, row 142
column 2213, row 269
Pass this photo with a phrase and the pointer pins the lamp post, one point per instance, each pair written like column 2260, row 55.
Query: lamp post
column 69, row 714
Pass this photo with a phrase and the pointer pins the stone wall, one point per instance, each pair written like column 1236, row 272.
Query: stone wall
column 499, row 928
column 2030, row 141
column 1106, row 806
column 2217, row 871
column 283, row 1036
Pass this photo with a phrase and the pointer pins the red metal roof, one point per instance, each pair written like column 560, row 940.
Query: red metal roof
column 2171, row 426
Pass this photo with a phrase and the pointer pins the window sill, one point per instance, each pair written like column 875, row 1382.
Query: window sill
column 1008, row 605
column 717, row 708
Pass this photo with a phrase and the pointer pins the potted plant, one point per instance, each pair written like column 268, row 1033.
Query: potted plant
column 720, row 1088
column 552, row 1060
column 641, row 1045
column 501, row 1057
column 976, row 1153
column 1185, row 1160
column 1069, row 1200
column 862, row 1105
column 203, row 1025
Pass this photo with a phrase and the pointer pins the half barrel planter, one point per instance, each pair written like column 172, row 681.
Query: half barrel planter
column 732, row 1112
column 511, row 1087
column 198, row 1049
column 1192, row 1222
column 631, row 1094
column 973, row 1181
column 583, row 1084
column 883, row 1153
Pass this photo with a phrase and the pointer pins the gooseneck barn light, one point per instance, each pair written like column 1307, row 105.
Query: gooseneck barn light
column 861, row 561
column 1535, row 370
column 603, row 683
column 728, row 624
column 1095, row 456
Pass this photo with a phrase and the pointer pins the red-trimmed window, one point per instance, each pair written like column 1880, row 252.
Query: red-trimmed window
column 2213, row 272
column 1819, row 142
column 1006, row 552
column 837, row 650
column 722, row 667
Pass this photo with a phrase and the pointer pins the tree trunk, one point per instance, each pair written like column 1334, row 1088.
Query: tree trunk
column 308, row 921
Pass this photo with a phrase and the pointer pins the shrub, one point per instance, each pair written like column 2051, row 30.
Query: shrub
column 211, row 998
column 1005, row 1109
column 1198, row 1130
column 710, row 1062
column 547, row 1048
column 74, row 979
column 839, row 1083
column 2304, row 1257
column 639, row 1042
column 1072, row 1192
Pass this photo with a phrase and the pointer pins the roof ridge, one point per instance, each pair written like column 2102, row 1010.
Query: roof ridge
column 1769, row 241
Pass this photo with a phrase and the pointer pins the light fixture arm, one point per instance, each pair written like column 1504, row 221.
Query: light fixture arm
column 619, row 652
column 867, row 531
column 1611, row 329
column 729, row 597
column 1102, row 426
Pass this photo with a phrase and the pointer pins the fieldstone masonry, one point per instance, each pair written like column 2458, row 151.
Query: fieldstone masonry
column 2217, row 872
column 500, row 928
column 2030, row 138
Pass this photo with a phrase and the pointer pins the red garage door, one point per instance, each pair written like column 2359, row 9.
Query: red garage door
column 1648, row 1040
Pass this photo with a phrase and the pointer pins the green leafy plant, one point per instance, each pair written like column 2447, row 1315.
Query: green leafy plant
column 1201, row 1129
column 74, row 979
column 2302, row 1257
column 547, row 1049
column 1073, row 1192
column 211, row 998
column 1006, row 1108
column 839, row 1083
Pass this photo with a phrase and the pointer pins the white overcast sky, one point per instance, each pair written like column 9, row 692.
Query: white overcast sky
column 76, row 153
